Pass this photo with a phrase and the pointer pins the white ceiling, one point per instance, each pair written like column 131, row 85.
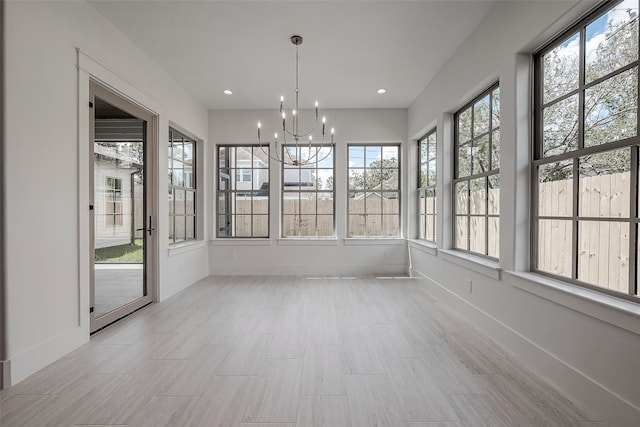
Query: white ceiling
column 350, row 48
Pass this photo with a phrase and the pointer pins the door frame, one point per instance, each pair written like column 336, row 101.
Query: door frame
column 150, row 203
column 90, row 69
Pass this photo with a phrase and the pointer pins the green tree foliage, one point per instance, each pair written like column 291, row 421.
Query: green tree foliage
column 382, row 174
column 479, row 136
column 610, row 105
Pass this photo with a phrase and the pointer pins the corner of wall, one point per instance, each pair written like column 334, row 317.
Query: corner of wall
column 37, row 357
column 606, row 403
column 5, row 374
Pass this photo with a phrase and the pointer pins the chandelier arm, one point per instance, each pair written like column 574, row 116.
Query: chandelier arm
column 285, row 148
column 302, row 135
column 327, row 155
column 287, row 131
column 319, row 148
column 271, row 156
column 268, row 154
column 315, row 125
column 292, row 160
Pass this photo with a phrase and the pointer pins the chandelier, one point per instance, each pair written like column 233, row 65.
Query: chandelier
column 298, row 148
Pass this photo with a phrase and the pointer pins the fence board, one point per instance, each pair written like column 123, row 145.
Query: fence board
column 602, row 249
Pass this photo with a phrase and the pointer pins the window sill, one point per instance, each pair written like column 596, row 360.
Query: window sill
column 475, row 263
column 180, row 248
column 374, row 241
column 423, row 246
column 615, row 311
column 308, row 241
column 240, row 241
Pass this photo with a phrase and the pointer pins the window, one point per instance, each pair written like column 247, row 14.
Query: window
column 243, row 175
column 427, row 187
column 182, row 187
column 308, row 208
column 243, row 191
column 477, row 175
column 113, row 202
column 585, row 162
column 374, row 191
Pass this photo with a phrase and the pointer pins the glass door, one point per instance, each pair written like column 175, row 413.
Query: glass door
column 122, row 221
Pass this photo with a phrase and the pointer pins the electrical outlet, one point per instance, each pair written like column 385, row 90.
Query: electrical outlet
column 470, row 285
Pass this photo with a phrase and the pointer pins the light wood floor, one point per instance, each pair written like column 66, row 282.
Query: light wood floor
column 282, row 351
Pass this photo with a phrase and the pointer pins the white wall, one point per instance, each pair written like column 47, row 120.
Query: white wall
column 47, row 267
column 314, row 257
column 585, row 346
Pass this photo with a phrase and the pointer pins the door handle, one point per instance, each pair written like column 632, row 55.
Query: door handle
column 150, row 229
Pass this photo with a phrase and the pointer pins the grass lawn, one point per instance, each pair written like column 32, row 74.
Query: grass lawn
column 122, row 254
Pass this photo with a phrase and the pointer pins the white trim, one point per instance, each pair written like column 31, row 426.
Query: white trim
column 472, row 262
column 91, row 69
column 423, row 246
column 240, row 241
column 615, row 311
column 114, row 82
column 41, row 355
column 615, row 409
column 184, row 247
column 374, row 241
column 307, row 241
column 312, row 270
column 199, row 168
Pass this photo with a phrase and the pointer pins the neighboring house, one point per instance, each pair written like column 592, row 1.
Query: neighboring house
column 384, row 190
column 118, row 196
column 246, row 177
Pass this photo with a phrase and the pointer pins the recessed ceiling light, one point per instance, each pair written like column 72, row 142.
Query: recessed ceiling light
column 227, row 92
column 381, row 91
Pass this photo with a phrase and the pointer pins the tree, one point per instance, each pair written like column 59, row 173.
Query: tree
column 381, row 174
column 610, row 106
column 329, row 185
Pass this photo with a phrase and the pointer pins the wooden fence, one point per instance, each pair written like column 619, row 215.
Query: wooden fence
column 299, row 219
column 603, row 248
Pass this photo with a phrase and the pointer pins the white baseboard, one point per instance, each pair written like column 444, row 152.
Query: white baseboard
column 309, row 270
column 579, row 386
column 37, row 357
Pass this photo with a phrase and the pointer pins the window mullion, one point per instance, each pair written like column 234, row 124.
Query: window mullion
column 473, row 143
column 633, row 223
column 574, row 223
column 576, row 162
column 486, row 213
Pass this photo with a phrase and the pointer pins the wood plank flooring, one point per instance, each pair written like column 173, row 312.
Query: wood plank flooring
column 294, row 352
